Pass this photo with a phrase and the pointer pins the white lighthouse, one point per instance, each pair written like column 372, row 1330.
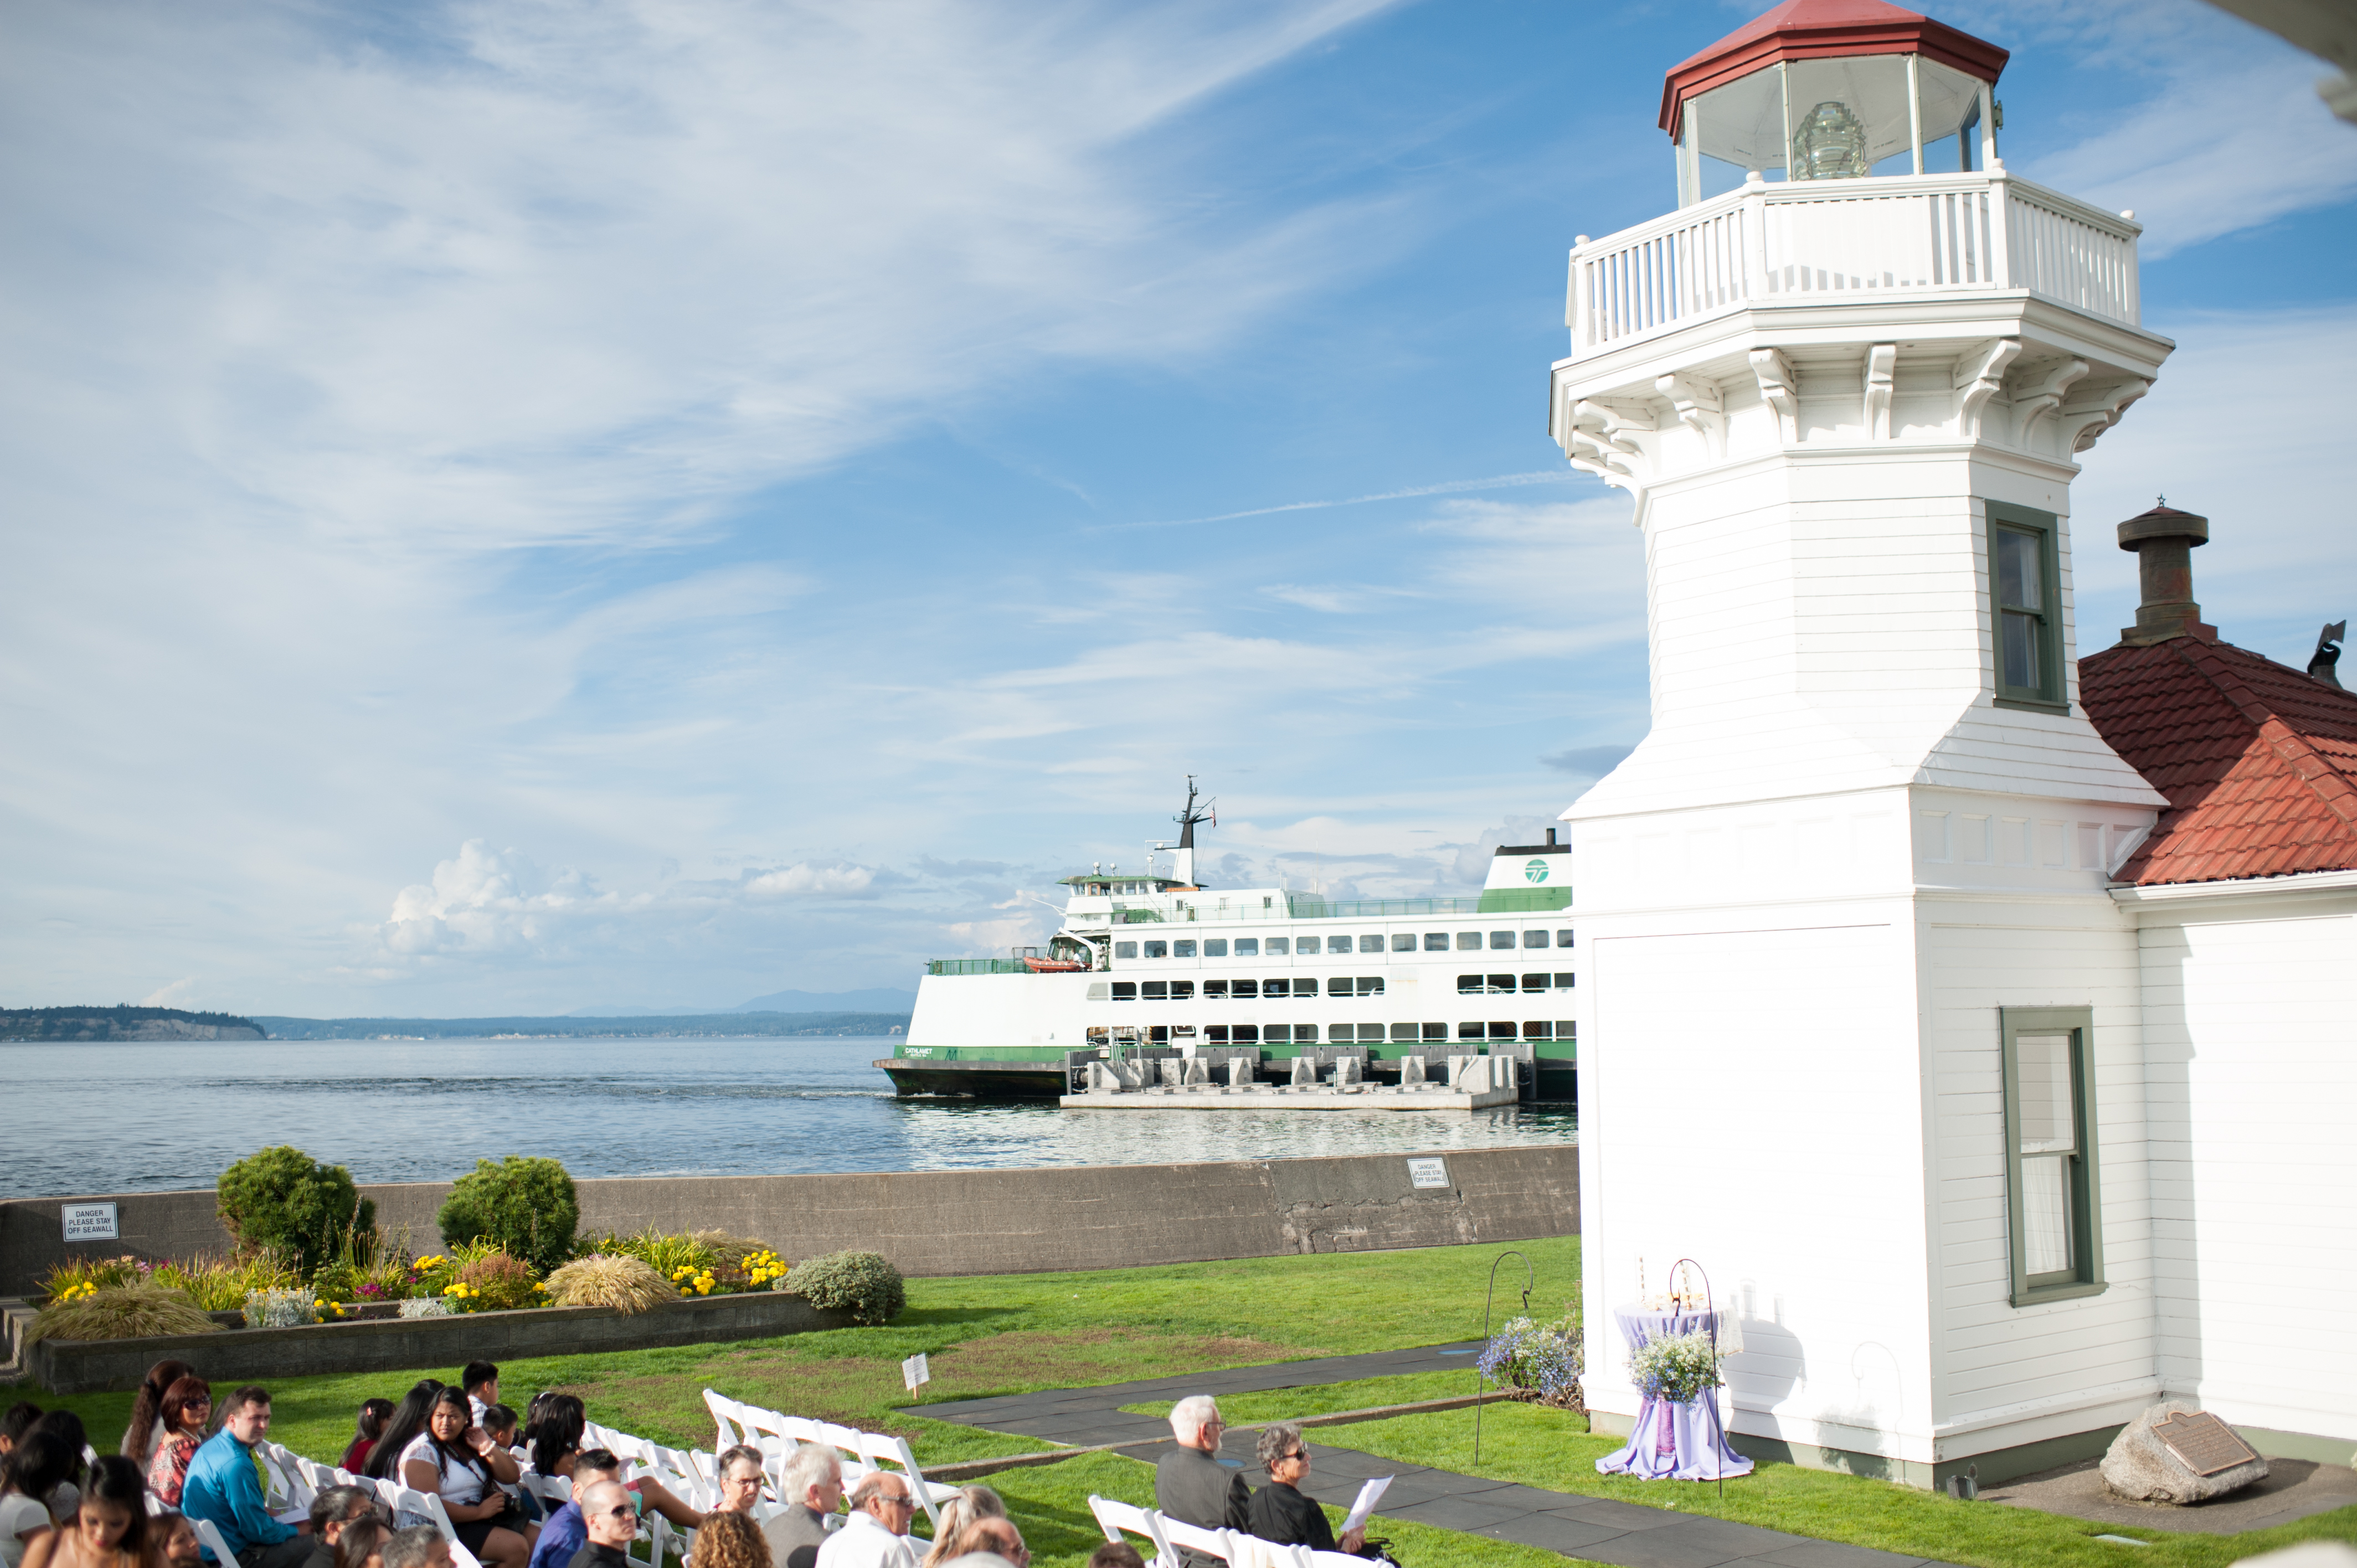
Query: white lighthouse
column 1863, row 1020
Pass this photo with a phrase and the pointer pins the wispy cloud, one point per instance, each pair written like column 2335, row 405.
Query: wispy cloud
column 1412, row 492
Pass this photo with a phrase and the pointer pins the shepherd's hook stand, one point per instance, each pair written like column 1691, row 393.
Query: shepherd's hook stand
column 1710, row 1307
column 1530, row 1283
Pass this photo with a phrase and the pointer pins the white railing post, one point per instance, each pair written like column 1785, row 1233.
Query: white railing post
column 1575, row 314
column 1755, row 238
column 2001, row 268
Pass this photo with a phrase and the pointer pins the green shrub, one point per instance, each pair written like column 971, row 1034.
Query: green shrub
column 497, row 1283
column 865, row 1284
column 526, row 1207
column 281, row 1199
column 134, row 1312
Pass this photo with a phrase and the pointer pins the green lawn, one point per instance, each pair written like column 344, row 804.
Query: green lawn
column 1325, row 1398
column 1547, row 1449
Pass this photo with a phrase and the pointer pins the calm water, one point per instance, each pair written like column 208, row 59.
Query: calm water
column 130, row 1117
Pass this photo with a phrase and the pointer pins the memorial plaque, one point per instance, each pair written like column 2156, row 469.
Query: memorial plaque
column 2207, row 1445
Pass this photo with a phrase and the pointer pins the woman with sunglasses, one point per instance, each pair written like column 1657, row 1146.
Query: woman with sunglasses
column 181, row 1421
column 1279, row 1511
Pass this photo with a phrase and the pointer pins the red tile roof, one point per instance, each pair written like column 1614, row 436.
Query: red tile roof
column 2258, row 760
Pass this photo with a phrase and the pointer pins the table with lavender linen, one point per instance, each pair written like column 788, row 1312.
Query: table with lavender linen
column 1672, row 1440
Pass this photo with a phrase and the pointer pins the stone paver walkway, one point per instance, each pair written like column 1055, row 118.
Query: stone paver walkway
column 1597, row 1529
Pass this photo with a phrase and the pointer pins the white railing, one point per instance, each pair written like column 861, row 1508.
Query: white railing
column 1771, row 245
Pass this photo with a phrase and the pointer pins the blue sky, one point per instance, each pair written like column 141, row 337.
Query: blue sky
column 516, row 508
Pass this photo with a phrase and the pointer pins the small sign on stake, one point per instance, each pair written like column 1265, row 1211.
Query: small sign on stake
column 88, row 1221
column 914, row 1371
column 1427, row 1173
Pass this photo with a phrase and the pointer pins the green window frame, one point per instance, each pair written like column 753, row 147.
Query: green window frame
column 2053, row 1204
column 2025, row 589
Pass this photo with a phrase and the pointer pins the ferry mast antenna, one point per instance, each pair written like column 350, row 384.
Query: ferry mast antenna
column 1189, row 816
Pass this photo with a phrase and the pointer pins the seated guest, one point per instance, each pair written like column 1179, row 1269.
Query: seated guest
column 67, row 1428
column 480, row 1381
column 606, row 1511
column 139, row 1438
column 558, row 1440
column 400, row 1430
column 561, row 1538
column 730, row 1539
column 1279, row 1513
column 877, row 1534
column 500, row 1421
column 17, row 1421
column 970, row 1504
column 740, row 1479
column 187, row 1407
column 224, row 1490
column 1116, row 1554
column 990, row 1541
column 334, row 1510
column 457, row 1459
column 419, row 1546
column 36, row 1466
column 181, row 1548
column 810, row 1485
column 373, row 1415
column 1190, row 1483
column 109, row 1528
column 361, row 1544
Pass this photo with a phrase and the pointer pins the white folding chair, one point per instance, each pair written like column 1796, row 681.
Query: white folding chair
column 727, row 1420
column 426, row 1507
column 845, row 1442
column 209, row 1537
column 1195, row 1538
column 882, row 1451
column 1115, row 1517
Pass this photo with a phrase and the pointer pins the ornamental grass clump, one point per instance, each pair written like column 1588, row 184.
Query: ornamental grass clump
column 497, row 1283
column 1676, row 1367
column 606, row 1278
column 134, row 1312
column 863, row 1284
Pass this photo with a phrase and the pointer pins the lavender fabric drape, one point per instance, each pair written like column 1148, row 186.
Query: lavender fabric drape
column 1671, row 1441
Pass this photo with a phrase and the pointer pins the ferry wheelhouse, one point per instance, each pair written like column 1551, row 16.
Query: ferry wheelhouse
column 1150, row 966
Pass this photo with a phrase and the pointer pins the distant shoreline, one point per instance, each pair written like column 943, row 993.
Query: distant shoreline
column 104, row 1025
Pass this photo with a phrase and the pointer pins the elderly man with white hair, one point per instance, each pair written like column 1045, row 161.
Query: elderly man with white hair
column 1189, row 1481
column 810, row 1484
column 877, row 1534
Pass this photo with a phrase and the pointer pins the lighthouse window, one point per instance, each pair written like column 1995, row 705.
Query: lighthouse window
column 1184, row 948
column 1215, row 991
column 1245, row 988
column 1158, row 950
column 1337, row 944
column 1402, row 942
column 1276, row 947
column 2053, row 1213
column 1124, row 950
column 1215, row 947
column 1371, row 944
column 1535, row 938
column 1246, row 947
column 1124, row 991
column 2024, row 609
column 1436, row 941
column 1501, row 939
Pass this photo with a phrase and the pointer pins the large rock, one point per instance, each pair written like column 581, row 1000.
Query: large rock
column 2140, row 1467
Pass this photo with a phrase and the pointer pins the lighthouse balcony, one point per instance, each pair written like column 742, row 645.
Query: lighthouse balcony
column 1903, row 238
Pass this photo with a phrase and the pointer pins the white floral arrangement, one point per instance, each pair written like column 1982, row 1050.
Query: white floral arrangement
column 426, row 1307
column 1676, row 1367
column 288, row 1309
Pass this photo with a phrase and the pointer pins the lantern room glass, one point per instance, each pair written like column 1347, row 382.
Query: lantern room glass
column 1847, row 117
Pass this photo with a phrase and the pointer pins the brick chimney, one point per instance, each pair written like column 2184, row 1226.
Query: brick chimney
column 2163, row 539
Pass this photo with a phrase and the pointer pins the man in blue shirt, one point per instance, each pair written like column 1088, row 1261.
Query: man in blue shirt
column 567, row 1532
column 223, row 1487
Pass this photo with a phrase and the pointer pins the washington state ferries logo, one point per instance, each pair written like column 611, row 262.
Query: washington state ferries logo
column 1535, row 871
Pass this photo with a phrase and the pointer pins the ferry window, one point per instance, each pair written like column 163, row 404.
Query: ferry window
column 1370, row 1032
column 1371, row 985
column 1435, row 1031
column 1182, row 990
column 1154, row 991
column 1371, row 944
column 1242, row 988
column 1337, row 944
column 1402, row 942
column 1278, row 987
column 1124, row 950
column 1341, row 985
column 1538, row 1031
column 1404, row 1032
column 1183, row 947
column 1469, row 985
column 1215, row 947
column 1436, row 941
column 1501, row 985
column 1535, row 938
column 1276, row 947
column 1124, row 991
column 1216, row 1035
column 1564, row 981
column 1501, row 1031
column 1246, row 1034
column 1215, row 991
column 1471, row 1031
column 1158, row 950
column 1099, row 991
column 1247, row 947
column 1469, row 941
column 1563, row 939
column 1535, row 983
column 1159, row 1035
column 1276, row 1033
column 1501, row 939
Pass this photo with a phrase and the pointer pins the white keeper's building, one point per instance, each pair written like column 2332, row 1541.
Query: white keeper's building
column 1984, row 1020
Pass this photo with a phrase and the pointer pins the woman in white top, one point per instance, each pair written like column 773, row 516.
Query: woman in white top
column 34, row 1468
column 458, row 1460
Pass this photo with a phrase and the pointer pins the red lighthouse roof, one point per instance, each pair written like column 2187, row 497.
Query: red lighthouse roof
column 1818, row 29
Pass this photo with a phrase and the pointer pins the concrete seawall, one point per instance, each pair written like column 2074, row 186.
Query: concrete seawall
column 959, row 1222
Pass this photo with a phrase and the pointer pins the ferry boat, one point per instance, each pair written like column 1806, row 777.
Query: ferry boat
column 1148, row 966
